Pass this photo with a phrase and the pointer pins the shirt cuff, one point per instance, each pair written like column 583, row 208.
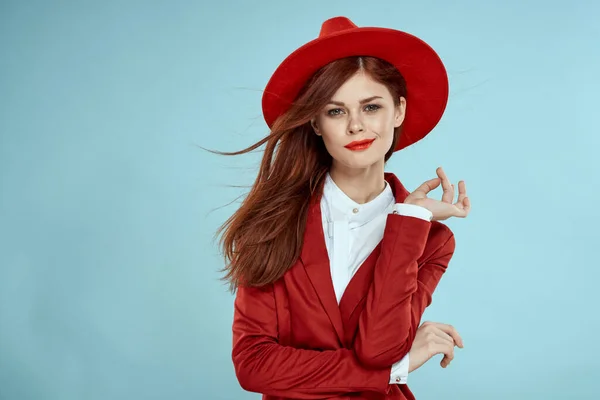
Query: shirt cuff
column 412, row 210
column 399, row 374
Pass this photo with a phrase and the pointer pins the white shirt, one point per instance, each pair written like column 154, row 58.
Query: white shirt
column 352, row 231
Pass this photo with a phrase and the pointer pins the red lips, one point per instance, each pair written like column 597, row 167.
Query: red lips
column 359, row 144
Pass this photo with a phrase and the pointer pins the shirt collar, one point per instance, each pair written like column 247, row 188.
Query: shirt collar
column 343, row 207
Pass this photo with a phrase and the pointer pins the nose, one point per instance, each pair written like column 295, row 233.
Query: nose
column 355, row 126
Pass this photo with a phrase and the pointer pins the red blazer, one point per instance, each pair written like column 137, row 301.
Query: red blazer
column 291, row 340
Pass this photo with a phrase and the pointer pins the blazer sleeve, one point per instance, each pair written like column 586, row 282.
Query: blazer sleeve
column 264, row 366
column 400, row 290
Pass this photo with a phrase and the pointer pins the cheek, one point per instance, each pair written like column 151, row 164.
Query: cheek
column 333, row 131
column 331, row 125
column 382, row 127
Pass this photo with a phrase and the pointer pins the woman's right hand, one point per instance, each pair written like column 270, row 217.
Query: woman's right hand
column 433, row 338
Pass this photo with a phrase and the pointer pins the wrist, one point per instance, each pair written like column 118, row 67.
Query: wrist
column 413, row 210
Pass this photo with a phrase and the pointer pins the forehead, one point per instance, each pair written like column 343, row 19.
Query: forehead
column 358, row 87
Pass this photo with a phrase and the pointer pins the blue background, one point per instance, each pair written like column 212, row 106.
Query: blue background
column 108, row 268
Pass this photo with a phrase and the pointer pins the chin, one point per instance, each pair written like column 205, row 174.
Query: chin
column 362, row 160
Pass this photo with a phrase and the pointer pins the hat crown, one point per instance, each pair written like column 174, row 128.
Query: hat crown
column 336, row 24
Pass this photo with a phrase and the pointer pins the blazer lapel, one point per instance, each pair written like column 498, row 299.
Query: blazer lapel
column 359, row 285
column 315, row 260
column 355, row 292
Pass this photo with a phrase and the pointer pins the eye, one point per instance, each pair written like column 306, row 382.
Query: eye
column 372, row 107
column 369, row 108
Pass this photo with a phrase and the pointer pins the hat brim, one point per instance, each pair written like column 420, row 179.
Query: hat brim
column 422, row 68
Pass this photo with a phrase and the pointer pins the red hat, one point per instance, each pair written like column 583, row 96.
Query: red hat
column 419, row 64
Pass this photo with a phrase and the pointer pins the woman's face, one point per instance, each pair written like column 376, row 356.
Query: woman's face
column 361, row 109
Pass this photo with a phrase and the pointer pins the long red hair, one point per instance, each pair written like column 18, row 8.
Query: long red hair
column 263, row 238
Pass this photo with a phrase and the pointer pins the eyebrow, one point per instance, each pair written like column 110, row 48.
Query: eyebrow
column 363, row 101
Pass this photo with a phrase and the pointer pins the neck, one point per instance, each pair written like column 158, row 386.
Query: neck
column 361, row 185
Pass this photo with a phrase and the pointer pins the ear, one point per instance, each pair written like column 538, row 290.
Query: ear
column 400, row 112
column 313, row 123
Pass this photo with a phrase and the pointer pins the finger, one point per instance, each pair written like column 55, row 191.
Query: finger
column 450, row 330
column 448, row 355
column 463, row 208
column 445, row 361
column 462, row 193
column 444, row 336
column 428, row 186
column 433, row 331
column 448, row 194
column 440, row 346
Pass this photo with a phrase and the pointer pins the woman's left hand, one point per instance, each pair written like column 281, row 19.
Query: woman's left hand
column 443, row 209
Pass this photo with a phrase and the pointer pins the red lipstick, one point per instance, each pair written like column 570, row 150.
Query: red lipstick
column 359, row 144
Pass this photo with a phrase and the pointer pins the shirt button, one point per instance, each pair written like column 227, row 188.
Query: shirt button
column 355, row 210
column 397, row 379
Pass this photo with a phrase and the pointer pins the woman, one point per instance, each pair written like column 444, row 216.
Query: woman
column 333, row 260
